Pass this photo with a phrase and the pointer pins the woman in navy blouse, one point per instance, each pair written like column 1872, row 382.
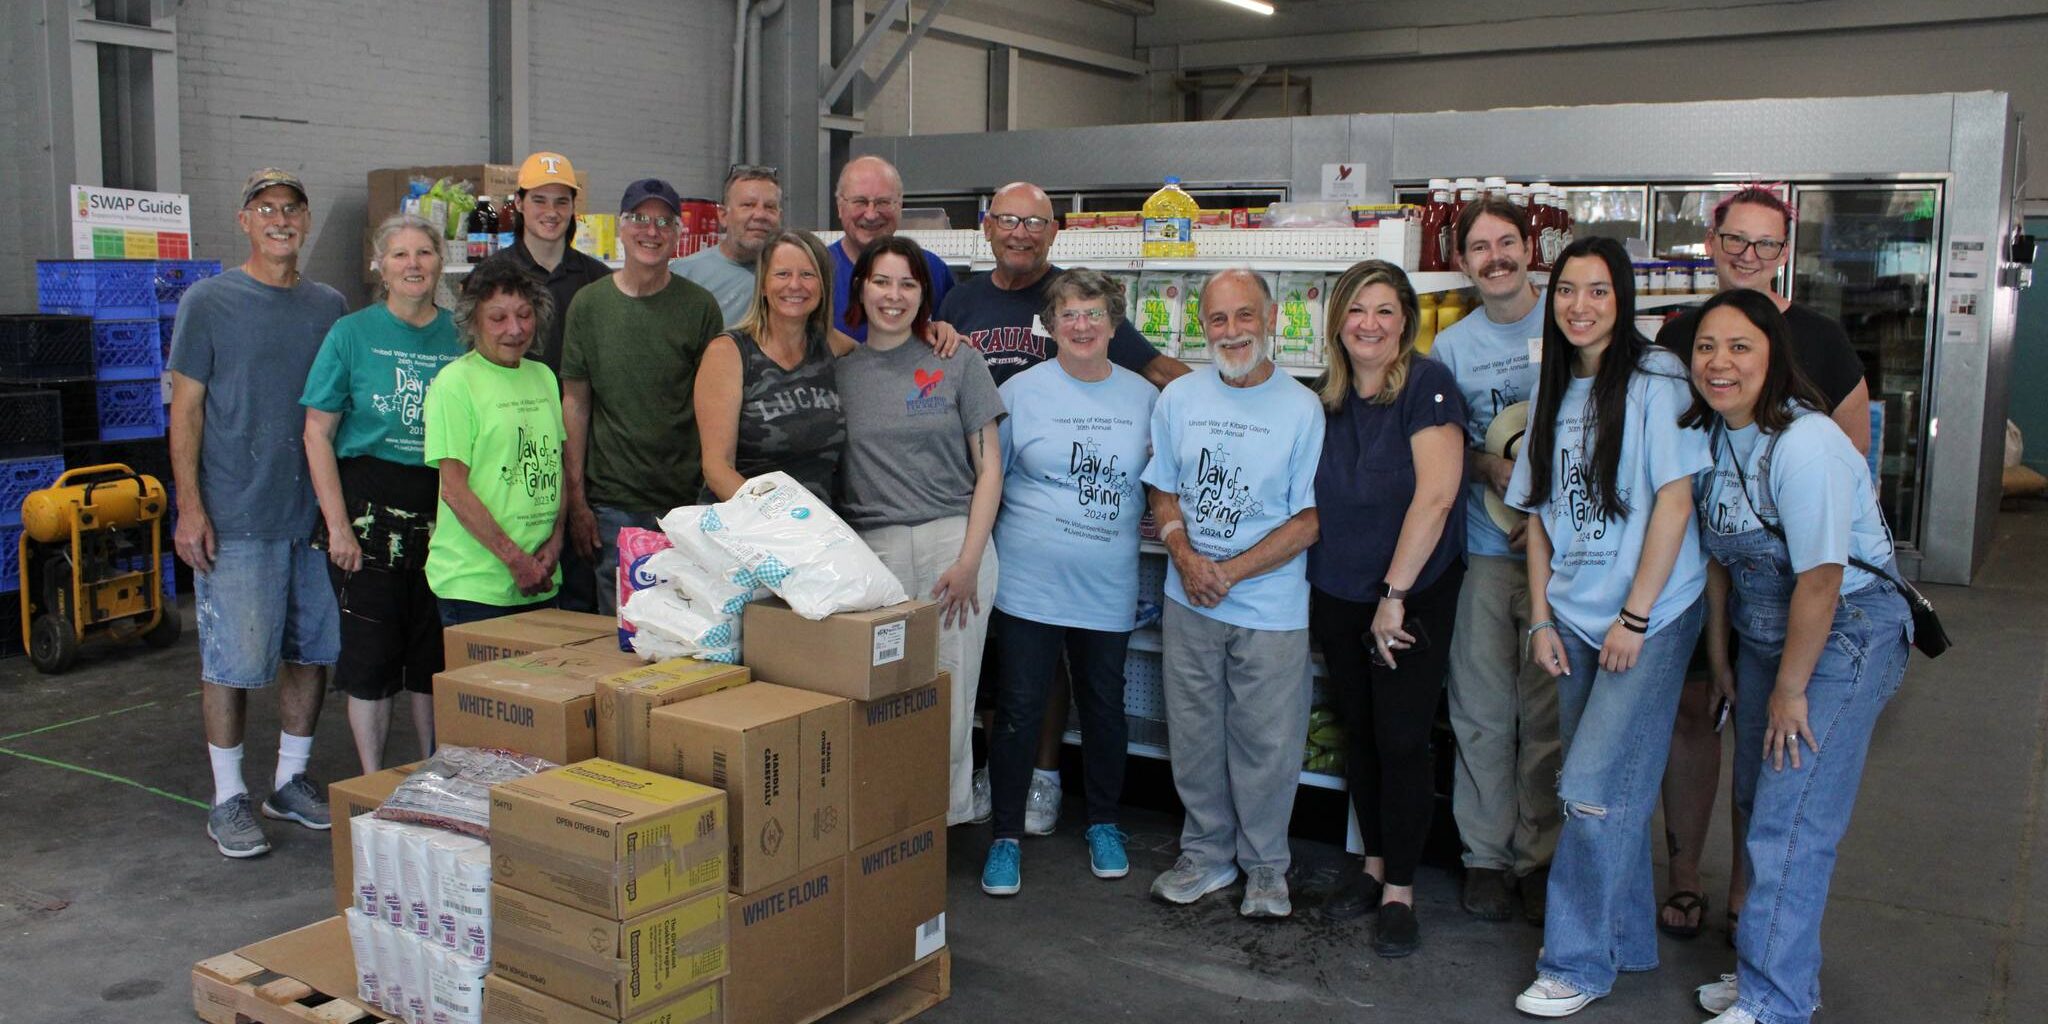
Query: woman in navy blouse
column 1385, row 576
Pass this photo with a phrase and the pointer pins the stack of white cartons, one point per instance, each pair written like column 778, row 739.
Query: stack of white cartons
column 421, row 920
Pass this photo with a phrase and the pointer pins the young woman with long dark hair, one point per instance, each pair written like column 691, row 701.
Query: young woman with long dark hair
column 1615, row 576
column 1821, row 629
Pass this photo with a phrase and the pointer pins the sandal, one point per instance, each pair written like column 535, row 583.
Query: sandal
column 1687, row 903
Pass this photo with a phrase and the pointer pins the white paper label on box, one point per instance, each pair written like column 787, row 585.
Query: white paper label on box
column 931, row 936
column 889, row 641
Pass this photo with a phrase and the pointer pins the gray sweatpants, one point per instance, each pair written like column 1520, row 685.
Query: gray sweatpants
column 1504, row 713
column 1236, row 717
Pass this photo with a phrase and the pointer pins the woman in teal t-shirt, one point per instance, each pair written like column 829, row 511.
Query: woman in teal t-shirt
column 494, row 430
column 365, row 432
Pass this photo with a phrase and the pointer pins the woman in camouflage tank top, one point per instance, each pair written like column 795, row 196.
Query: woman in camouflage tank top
column 766, row 394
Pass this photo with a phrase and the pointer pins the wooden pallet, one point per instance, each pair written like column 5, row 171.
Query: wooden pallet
column 910, row 992
column 228, row 989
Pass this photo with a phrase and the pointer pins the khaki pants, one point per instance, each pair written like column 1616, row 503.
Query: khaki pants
column 919, row 555
column 1504, row 714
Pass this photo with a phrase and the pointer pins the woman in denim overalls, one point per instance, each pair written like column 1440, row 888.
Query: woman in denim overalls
column 1791, row 520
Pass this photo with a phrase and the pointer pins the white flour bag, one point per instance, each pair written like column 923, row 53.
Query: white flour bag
column 799, row 548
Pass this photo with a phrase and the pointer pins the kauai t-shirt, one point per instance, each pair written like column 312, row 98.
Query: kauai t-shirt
column 1074, row 453
column 1006, row 326
column 1496, row 366
column 1593, row 559
column 505, row 424
column 1243, row 462
column 373, row 370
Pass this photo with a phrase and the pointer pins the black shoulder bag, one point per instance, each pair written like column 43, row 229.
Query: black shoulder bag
column 1928, row 635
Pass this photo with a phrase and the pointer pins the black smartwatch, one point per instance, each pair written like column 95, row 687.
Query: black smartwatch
column 1387, row 592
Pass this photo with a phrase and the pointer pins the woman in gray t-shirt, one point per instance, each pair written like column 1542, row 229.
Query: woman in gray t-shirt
column 922, row 477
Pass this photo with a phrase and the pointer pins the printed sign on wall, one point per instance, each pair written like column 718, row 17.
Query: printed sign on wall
column 116, row 223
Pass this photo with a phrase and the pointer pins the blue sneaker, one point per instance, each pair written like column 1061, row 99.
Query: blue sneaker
column 1001, row 876
column 1106, row 855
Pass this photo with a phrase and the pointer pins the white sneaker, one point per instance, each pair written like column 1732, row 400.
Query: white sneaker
column 1718, row 996
column 1547, row 998
column 1042, row 806
column 984, row 798
column 1735, row 1016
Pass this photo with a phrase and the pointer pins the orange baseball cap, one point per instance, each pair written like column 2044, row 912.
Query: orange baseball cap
column 547, row 169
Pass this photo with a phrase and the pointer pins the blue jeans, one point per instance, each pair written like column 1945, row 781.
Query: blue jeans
column 455, row 613
column 604, row 569
column 1031, row 654
column 1797, row 816
column 1616, row 728
column 265, row 602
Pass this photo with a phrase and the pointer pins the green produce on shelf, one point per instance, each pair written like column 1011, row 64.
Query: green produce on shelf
column 1325, row 762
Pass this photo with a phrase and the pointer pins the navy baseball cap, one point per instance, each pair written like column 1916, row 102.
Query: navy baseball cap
column 650, row 188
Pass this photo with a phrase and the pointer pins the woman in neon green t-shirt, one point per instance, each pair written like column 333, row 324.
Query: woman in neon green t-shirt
column 494, row 429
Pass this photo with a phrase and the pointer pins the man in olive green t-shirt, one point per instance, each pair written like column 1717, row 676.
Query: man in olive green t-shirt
column 630, row 348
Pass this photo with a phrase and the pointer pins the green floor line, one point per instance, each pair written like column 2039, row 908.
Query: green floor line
column 104, row 714
column 110, row 777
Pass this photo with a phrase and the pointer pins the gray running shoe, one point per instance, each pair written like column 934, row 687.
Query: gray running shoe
column 984, row 798
column 298, row 801
column 1265, row 895
column 1188, row 881
column 233, row 829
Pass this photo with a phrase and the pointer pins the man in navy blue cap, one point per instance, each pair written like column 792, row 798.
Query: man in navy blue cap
column 630, row 348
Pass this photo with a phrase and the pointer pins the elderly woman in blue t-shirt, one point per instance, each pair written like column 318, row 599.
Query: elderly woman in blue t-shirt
column 1073, row 447
column 1385, row 577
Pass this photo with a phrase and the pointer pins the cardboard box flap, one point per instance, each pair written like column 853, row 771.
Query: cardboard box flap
column 744, row 707
column 674, row 674
column 610, row 829
column 318, row 954
column 566, row 932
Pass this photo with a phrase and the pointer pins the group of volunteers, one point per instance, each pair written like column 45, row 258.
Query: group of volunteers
column 1546, row 514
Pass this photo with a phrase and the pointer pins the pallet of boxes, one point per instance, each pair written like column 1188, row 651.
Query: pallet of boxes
column 754, row 843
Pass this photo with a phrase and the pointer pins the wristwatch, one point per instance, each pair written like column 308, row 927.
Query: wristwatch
column 1387, row 592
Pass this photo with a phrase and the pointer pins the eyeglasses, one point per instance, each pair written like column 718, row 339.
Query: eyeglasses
column 1010, row 222
column 750, row 172
column 1736, row 245
column 881, row 204
column 1071, row 317
column 660, row 220
column 274, row 209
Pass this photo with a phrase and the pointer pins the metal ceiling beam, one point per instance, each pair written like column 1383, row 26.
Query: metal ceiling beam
column 1139, row 8
column 1057, row 49
column 1247, row 76
column 850, row 67
column 910, row 41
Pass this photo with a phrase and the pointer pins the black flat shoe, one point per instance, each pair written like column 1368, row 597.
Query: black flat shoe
column 1357, row 897
column 1398, row 932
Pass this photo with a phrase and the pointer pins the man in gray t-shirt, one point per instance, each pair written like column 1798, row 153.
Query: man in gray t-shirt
column 239, row 355
column 749, row 215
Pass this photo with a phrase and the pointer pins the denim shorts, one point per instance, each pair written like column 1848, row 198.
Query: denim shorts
column 265, row 602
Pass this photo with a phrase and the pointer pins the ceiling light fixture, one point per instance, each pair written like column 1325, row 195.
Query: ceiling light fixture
column 1254, row 6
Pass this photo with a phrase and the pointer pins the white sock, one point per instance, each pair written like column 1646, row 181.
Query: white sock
column 1051, row 778
column 227, row 772
column 292, row 754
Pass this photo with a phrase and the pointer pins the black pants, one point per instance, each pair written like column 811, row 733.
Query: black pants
column 1096, row 662
column 1387, row 716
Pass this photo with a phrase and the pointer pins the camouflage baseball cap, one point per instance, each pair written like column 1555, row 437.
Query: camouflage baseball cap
column 271, row 176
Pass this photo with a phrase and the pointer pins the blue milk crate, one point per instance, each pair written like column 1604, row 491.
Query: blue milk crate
column 131, row 410
column 174, row 276
column 128, row 349
column 10, row 561
column 21, row 477
column 166, row 328
column 106, row 289
column 31, row 423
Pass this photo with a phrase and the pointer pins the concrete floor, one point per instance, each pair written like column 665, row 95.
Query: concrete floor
column 109, row 889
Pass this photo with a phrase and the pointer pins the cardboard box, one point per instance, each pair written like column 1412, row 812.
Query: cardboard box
column 616, row 968
column 543, row 703
column 769, row 747
column 613, row 840
column 898, row 749
column 859, row 655
column 508, row 1002
column 787, row 946
column 345, row 800
column 895, row 903
column 524, row 633
column 625, row 699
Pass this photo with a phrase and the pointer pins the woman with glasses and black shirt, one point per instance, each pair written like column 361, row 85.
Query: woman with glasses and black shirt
column 1750, row 243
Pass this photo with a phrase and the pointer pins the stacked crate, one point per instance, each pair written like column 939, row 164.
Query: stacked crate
column 37, row 352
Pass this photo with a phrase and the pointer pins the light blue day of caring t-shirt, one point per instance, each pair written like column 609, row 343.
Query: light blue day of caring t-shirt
column 1243, row 461
column 1496, row 367
column 1073, row 455
column 1819, row 494
column 1593, row 561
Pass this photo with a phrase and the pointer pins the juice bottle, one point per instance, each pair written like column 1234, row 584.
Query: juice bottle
column 1437, row 215
column 1169, row 223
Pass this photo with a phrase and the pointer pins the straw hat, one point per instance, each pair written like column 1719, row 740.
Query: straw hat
column 1504, row 439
